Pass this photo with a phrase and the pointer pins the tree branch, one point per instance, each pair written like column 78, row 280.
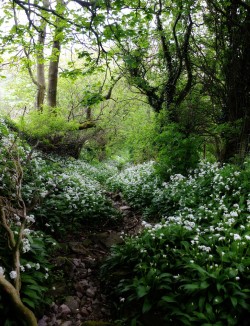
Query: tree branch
column 188, row 85
column 10, row 234
column 24, row 313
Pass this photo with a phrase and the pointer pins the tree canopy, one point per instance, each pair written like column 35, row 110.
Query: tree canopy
column 189, row 60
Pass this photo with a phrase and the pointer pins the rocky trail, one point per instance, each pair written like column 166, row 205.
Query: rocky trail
column 79, row 296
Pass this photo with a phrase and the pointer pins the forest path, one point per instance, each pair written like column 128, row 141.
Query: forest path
column 79, row 296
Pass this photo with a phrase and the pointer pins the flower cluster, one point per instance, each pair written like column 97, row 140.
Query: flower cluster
column 137, row 184
column 74, row 199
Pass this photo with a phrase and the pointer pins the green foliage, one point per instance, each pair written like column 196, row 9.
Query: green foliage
column 35, row 271
column 137, row 184
column 8, row 154
column 192, row 268
column 35, row 268
column 129, row 125
column 34, row 247
column 178, row 153
column 49, row 122
column 75, row 199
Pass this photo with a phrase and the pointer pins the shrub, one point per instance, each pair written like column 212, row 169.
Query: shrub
column 49, row 122
column 178, row 153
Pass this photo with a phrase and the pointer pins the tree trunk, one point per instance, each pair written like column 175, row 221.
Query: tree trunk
column 53, row 74
column 41, row 84
column 54, row 62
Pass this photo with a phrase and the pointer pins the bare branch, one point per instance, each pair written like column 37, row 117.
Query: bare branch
column 3, row 220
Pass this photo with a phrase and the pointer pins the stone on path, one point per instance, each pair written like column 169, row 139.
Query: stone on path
column 72, row 303
column 64, row 310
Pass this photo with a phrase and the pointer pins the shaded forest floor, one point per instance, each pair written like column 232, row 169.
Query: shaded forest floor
column 79, row 295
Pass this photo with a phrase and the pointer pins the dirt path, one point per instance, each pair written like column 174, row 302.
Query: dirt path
column 79, row 298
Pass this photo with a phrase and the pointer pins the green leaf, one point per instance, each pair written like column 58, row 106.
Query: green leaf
column 31, row 294
column 134, row 322
column 28, row 279
column 37, row 288
column 204, row 285
column 217, row 300
column 29, row 302
column 209, row 311
column 201, row 303
column 167, row 298
column 146, row 306
column 234, row 301
column 220, row 286
column 141, row 291
column 191, row 287
column 200, row 315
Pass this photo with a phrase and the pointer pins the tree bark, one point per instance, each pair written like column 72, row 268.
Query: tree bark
column 23, row 312
column 54, row 62
column 41, row 87
column 53, row 74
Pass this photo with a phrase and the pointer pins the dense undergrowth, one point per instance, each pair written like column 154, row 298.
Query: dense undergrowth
column 192, row 266
column 189, row 265
column 42, row 198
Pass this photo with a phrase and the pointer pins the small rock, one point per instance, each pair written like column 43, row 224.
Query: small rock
column 79, row 294
column 79, row 317
column 89, row 309
column 54, row 307
column 52, row 321
column 81, row 286
column 78, row 323
column 78, row 248
column 124, row 208
column 91, row 292
column 84, row 283
column 84, row 300
column 64, row 310
column 84, row 312
column 43, row 321
column 76, row 262
column 72, row 303
column 82, row 272
column 66, row 323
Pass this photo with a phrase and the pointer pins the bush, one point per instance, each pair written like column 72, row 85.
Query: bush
column 47, row 123
column 177, row 152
